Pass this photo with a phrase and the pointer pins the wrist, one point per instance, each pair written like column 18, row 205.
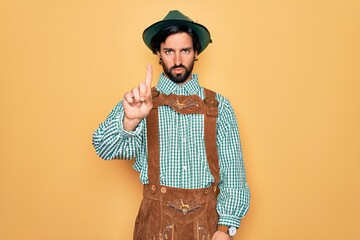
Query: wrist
column 231, row 231
column 130, row 124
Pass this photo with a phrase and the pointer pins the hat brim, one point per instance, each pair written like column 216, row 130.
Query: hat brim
column 201, row 31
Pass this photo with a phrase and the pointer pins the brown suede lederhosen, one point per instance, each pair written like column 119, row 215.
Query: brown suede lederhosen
column 176, row 213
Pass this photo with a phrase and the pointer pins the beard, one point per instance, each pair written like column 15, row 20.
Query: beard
column 181, row 77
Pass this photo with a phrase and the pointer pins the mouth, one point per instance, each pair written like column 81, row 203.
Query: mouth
column 178, row 70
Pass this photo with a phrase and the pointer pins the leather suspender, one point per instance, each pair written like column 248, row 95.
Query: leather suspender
column 184, row 105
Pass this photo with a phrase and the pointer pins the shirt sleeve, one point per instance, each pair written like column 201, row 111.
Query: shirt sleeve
column 112, row 141
column 234, row 197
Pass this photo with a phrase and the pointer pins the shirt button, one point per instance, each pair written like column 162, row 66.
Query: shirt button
column 184, row 168
column 153, row 187
column 163, row 190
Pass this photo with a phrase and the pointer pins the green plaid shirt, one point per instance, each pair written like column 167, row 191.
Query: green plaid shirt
column 182, row 150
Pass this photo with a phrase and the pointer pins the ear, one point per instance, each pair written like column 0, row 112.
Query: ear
column 159, row 55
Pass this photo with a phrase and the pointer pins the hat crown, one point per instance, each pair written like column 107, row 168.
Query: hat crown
column 176, row 18
column 177, row 15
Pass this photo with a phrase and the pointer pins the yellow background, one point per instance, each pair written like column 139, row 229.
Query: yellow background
column 290, row 68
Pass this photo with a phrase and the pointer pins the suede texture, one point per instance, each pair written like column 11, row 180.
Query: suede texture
column 175, row 213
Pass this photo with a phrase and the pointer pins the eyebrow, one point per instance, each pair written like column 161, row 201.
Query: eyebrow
column 189, row 48
column 171, row 49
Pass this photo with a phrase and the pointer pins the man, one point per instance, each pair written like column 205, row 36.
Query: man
column 185, row 140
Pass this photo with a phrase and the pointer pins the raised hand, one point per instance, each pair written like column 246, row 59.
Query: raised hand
column 137, row 103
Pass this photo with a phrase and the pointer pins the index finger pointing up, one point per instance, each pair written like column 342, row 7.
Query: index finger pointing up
column 149, row 75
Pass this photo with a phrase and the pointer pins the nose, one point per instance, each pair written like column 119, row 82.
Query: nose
column 178, row 59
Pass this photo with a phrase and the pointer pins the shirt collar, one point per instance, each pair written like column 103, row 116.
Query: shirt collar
column 168, row 87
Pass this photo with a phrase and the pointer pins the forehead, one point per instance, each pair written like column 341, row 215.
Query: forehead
column 178, row 40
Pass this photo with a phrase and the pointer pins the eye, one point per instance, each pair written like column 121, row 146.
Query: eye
column 168, row 52
column 186, row 51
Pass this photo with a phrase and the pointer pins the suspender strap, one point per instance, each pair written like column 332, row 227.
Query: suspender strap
column 184, row 105
column 210, row 134
column 153, row 147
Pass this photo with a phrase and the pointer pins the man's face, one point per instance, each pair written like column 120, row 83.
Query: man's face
column 177, row 54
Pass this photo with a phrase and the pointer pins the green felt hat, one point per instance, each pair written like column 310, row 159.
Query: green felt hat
column 176, row 18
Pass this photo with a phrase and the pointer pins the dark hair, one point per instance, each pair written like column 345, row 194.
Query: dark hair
column 161, row 36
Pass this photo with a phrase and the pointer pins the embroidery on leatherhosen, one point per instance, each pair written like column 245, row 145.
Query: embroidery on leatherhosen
column 201, row 232
column 181, row 105
column 166, row 233
column 181, row 207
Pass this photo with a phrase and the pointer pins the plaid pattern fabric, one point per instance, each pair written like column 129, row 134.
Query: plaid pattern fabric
column 182, row 149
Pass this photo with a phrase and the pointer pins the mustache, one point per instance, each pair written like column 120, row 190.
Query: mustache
column 178, row 66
